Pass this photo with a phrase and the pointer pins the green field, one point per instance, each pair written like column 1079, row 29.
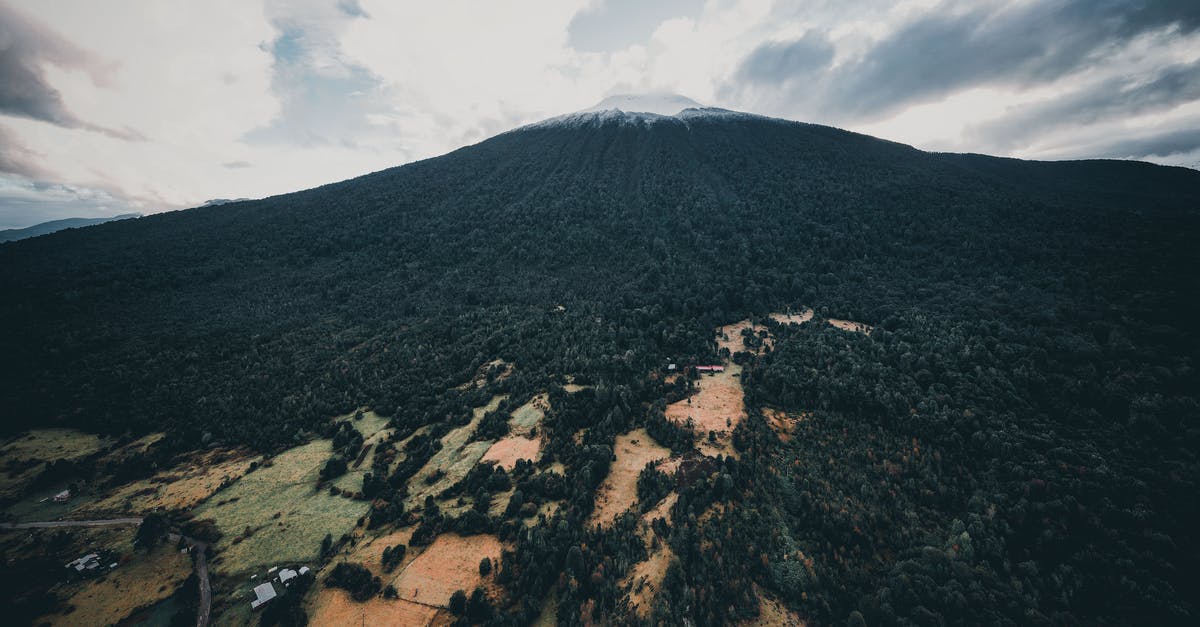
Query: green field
column 286, row 513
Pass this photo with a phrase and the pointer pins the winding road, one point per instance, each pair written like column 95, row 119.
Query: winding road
column 199, row 550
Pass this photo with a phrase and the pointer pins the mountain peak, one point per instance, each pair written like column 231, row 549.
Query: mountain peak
column 657, row 103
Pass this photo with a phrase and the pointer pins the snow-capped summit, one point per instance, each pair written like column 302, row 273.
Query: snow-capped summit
column 638, row 109
column 660, row 104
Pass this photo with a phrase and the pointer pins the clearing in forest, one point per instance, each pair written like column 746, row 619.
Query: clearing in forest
column 369, row 552
column 850, row 325
column 454, row 461
column 619, row 491
column 529, row 416
column 772, row 613
column 793, row 318
column 145, row 579
column 521, row 443
column 781, row 422
column 333, row 606
column 645, row 579
column 283, row 510
column 730, row 337
column 373, row 428
column 494, row 370
column 507, row 451
column 718, row 406
column 198, row 476
column 450, row 563
column 27, row 452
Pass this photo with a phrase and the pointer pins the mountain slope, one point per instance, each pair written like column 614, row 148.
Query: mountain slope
column 1033, row 340
column 10, row 235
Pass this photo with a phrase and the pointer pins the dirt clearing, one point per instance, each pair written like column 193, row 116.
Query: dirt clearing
column 850, row 325
column 619, row 491
column 333, row 606
column 506, row 452
column 718, row 406
column 781, row 422
column 645, row 579
column 450, row 563
column 730, row 337
column 793, row 318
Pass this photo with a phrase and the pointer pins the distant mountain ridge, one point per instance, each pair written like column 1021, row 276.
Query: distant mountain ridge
column 45, row 228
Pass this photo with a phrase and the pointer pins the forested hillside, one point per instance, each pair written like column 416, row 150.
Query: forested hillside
column 1014, row 443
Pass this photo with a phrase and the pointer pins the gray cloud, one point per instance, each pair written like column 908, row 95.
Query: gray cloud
column 945, row 51
column 1171, row 86
column 16, row 158
column 25, row 46
column 773, row 61
column 1158, row 144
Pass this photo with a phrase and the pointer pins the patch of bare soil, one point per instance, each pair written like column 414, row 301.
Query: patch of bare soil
column 718, row 406
column 450, row 563
column 619, row 491
column 506, row 452
column 782, row 423
column 369, row 552
column 644, row 580
column 793, row 318
column 730, row 337
column 333, row 606
column 850, row 325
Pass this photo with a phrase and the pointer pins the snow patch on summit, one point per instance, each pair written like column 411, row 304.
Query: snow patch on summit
column 660, row 104
column 639, row 109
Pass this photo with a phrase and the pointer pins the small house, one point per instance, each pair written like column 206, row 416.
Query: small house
column 263, row 594
column 286, row 575
column 62, row 497
column 710, row 368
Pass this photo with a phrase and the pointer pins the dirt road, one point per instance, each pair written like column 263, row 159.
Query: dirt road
column 72, row 523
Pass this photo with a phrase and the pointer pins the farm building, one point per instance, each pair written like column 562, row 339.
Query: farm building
column 710, row 368
column 286, row 575
column 263, row 594
column 62, row 497
column 91, row 561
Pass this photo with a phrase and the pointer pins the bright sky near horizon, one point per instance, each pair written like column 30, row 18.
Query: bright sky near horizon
column 147, row 106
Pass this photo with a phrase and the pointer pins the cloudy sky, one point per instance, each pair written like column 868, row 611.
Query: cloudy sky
column 128, row 105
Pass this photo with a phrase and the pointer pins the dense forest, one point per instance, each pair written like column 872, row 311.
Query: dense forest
column 1014, row 443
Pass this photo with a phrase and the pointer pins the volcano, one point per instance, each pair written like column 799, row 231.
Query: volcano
column 1020, row 419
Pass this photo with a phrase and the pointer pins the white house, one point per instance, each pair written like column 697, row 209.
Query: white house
column 263, row 593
